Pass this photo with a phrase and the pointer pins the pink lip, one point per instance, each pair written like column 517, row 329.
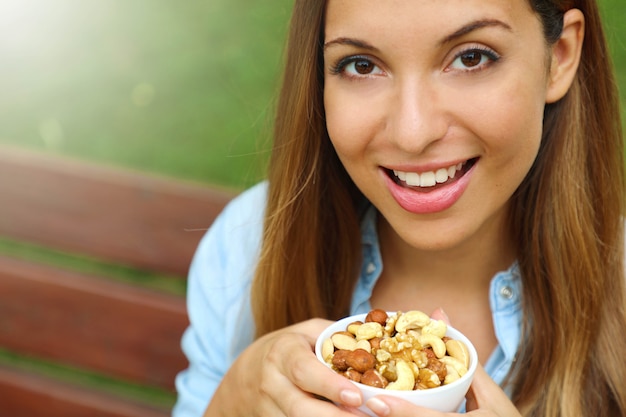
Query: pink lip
column 430, row 200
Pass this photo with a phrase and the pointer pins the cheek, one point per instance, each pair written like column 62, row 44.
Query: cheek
column 515, row 122
column 349, row 125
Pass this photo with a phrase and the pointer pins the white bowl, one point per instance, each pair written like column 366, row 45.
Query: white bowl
column 446, row 398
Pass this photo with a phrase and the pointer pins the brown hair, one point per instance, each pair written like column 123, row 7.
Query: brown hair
column 566, row 216
column 311, row 244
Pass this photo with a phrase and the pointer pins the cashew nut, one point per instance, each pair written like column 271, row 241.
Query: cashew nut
column 439, row 348
column 436, row 327
column 411, row 320
column 405, row 380
column 458, row 350
column 451, row 375
column 369, row 330
column 455, row 364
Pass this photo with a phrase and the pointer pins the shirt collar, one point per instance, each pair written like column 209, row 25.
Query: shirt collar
column 504, row 294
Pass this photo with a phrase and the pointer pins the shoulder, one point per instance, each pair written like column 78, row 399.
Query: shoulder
column 223, row 266
column 246, row 209
column 218, row 290
column 232, row 243
column 239, row 226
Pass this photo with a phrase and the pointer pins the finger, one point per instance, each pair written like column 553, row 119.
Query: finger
column 296, row 403
column 310, row 375
column 354, row 411
column 388, row 406
column 292, row 354
column 439, row 314
column 485, row 394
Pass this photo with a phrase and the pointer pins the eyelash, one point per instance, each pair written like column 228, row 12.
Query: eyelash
column 340, row 66
column 491, row 55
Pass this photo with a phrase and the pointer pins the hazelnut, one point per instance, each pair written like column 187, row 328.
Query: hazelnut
column 378, row 316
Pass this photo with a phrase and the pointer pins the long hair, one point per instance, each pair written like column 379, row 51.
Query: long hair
column 568, row 221
column 566, row 217
column 311, row 244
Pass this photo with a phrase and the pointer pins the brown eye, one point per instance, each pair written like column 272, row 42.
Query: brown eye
column 364, row 67
column 471, row 59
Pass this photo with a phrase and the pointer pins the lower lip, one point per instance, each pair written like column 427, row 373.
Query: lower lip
column 427, row 202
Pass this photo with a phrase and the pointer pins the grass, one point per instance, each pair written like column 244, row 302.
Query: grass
column 155, row 396
column 91, row 266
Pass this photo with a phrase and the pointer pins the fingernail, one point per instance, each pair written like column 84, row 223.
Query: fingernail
column 351, row 398
column 378, row 406
column 445, row 316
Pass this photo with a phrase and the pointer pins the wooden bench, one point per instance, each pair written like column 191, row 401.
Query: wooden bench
column 85, row 321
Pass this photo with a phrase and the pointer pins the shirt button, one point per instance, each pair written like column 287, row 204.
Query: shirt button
column 370, row 268
column 507, row 292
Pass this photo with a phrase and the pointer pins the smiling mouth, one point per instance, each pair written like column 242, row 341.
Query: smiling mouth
column 430, row 180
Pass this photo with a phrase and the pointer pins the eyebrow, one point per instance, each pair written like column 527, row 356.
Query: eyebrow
column 464, row 30
column 475, row 25
column 351, row 42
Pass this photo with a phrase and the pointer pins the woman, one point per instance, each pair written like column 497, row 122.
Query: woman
column 473, row 148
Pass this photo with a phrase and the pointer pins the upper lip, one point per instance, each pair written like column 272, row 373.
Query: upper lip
column 425, row 167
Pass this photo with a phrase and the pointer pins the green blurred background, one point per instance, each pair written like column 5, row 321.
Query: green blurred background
column 179, row 88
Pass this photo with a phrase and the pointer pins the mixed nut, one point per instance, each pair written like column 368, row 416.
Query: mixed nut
column 403, row 351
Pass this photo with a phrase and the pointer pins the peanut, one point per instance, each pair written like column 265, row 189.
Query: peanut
column 353, row 375
column 374, row 379
column 339, row 360
column 360, row 360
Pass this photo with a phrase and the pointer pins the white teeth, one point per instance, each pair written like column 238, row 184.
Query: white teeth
column 441, row 175
column 412, row 178
column 427, row 179
column 430, row 178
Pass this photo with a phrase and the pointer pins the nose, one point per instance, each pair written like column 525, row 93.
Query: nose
column 416, row 117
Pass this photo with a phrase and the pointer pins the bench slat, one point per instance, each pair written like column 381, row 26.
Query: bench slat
column 120, row 330
column 28, row 395
column 112, row 214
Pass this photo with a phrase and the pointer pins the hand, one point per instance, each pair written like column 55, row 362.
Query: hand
column 485, row 397
column 279, row 375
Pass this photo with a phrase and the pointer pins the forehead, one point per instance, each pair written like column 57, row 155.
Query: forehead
column 421, row 18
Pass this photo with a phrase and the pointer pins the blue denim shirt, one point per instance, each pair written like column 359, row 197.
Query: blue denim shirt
column 218, row 300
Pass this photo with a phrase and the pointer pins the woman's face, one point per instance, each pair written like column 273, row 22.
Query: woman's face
column 435, row 109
